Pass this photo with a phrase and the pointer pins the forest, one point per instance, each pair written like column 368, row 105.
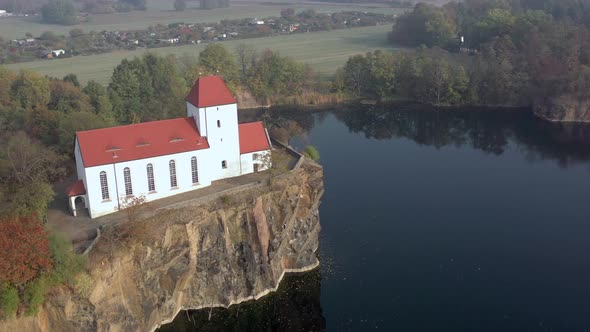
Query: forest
column 494, row 53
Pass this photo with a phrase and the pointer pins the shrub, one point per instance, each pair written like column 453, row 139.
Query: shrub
column 312, row 153
column 8, row 300
column 84, row 284
column 67, row 265
column 225, row 200
column 35, row 293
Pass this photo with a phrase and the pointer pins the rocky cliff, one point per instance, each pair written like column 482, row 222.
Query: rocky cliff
column 563, row 108
column 235, row 248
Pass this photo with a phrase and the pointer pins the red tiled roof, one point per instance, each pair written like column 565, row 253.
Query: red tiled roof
column 75, row 189
column 138, row 141
column 252, row 137
column 210, row 91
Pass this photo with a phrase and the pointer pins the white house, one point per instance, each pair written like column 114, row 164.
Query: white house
column 163, row 158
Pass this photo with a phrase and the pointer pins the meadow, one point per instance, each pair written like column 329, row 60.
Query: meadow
column 324, row 51
column 161, row 12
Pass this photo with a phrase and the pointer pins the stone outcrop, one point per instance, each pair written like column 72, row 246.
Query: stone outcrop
column 235, row 249
column 563, row 108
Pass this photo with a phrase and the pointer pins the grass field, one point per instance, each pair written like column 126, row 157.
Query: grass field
column 324, row 51
column 160, row 11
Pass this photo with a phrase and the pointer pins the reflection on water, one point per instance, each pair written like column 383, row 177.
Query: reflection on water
column 295, row 306
column 489, row 131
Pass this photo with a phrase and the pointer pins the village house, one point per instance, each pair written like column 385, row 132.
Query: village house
column 164, row 158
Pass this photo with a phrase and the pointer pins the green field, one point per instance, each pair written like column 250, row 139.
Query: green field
column 324, row 51
column 158, row 12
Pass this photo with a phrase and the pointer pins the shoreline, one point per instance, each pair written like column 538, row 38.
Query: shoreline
column 254, row 297
column 321, row 107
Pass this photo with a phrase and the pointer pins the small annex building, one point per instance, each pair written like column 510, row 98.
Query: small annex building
column 159, row 159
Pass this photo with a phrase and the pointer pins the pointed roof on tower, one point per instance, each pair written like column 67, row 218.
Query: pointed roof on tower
column 210, row 91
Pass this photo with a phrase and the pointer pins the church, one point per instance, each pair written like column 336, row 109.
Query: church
column 159, row 159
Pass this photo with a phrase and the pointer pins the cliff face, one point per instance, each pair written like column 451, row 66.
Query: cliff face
column 233, row 249
column 563, row 108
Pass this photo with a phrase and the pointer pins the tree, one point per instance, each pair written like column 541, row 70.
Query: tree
column 426, row 24
column 30, row 89
column 70, row 123
column 357, row 71
column 73, row 79
column 146, row 88
column 179, row 5
column 215, row 59
column 246, row 58
column 135, row 4
column 67, row 98
column 26, row 171
column 7, row 77
column 59, row 12
column 99, row 99
column 25, row 250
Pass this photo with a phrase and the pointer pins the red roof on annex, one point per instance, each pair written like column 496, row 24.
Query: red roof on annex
column 76, row 189
column 210, row 91
column 253, row 137
column 139, row 141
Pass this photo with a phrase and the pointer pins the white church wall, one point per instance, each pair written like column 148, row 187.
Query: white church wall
column 199, row 116
column 223, row 137
column 139, row 179
column 96, row 205
column 262, row 158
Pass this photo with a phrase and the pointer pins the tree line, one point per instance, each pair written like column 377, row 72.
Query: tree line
column 513, row 52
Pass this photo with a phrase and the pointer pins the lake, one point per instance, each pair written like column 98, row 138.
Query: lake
column 437, row 220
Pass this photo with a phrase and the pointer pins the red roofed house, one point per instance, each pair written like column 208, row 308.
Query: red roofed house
column 163, row 158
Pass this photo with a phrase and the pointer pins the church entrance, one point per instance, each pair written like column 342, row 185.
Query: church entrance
column 80, row 206
column 255, row 168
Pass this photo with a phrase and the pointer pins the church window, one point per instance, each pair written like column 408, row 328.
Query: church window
column 194, row 170
column 224, row 164
column 218, row 124
column 127, row 178
column 150, row 178
column 104, row 185
column 255, row 156
column 173, row 182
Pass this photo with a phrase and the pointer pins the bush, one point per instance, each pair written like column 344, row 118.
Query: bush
column 35, row 293
column 8, row 300
column 84, row 284
column 67, row 265
column 312, row 153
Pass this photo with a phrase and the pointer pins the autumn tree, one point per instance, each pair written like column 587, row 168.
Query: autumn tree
column 65, row 97
column 25, row 250
column 30, row 89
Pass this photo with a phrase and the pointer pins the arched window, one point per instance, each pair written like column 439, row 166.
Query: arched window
column 127, row 178
column 218, row 124
column 104, row 185
column 224, row 164
column 173, row 182
column 194, row 170
column 150, row 178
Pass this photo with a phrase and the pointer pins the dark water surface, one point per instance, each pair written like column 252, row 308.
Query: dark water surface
column 446, row 221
